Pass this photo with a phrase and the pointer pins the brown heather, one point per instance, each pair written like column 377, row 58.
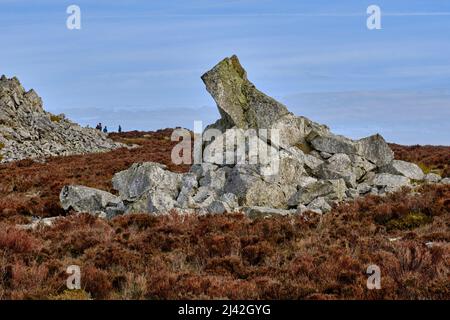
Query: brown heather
column 218, row 256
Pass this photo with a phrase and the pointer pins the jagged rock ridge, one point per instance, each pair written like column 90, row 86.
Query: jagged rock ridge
column 316, row 167
column 28, row 131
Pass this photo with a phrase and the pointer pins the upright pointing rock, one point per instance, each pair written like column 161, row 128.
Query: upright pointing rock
column 240, row 103
column 243, row 106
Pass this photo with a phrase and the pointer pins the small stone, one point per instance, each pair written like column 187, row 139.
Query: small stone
column 319, row 204
column 407, row 169
column 432, row 178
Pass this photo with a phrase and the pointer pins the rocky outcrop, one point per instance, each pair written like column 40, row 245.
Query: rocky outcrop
column 27, row 131
column 315, row 169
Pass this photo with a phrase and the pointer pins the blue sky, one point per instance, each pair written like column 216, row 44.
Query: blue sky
column 138, row 63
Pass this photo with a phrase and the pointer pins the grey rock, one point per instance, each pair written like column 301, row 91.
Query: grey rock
column 352, row 193
column 218, row 207
column 319, row 204
column 85, row 199
column 189, row 185
column 390, row 182
column 336, row 167
column 230, row 199
column 38, row 223
column 240, row 104
column 311, row 162
column 432, row 178
column 226, row 203
column 294, row 131
column 325, row 155
column 333, row 144
column 407, row 169
column 363, row 188
column 375, row 149
column 303, row 181
column 445, row 181
column 264, row 212
column 141, row 178
column 329, row 189
column 155, row 201
column 204, row 197
column 361, row 166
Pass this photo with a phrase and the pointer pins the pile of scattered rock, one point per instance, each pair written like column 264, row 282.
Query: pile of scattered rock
column 27, row 131
column 316, row 167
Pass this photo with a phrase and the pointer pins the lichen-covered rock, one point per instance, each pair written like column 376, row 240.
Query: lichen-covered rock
column 240, row 104
column 407, row 169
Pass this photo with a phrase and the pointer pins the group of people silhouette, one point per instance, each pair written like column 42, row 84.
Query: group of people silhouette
column 105, row 129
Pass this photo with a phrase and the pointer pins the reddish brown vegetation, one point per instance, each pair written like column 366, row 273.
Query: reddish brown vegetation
column 221, row 256
column 231, row 256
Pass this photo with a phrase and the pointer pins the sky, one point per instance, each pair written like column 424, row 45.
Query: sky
column 138, row 63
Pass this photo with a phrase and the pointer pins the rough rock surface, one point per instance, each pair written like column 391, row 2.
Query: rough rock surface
column 315, row 168
column 389, row 182
column 27, row 131
column 407, row 169
column 85, row 199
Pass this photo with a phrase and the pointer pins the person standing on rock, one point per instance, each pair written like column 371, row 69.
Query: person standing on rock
column 120, row 129
column 105, row 129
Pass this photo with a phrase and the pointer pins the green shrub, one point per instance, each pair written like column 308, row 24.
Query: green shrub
column 426, row 169
column 408, row 222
